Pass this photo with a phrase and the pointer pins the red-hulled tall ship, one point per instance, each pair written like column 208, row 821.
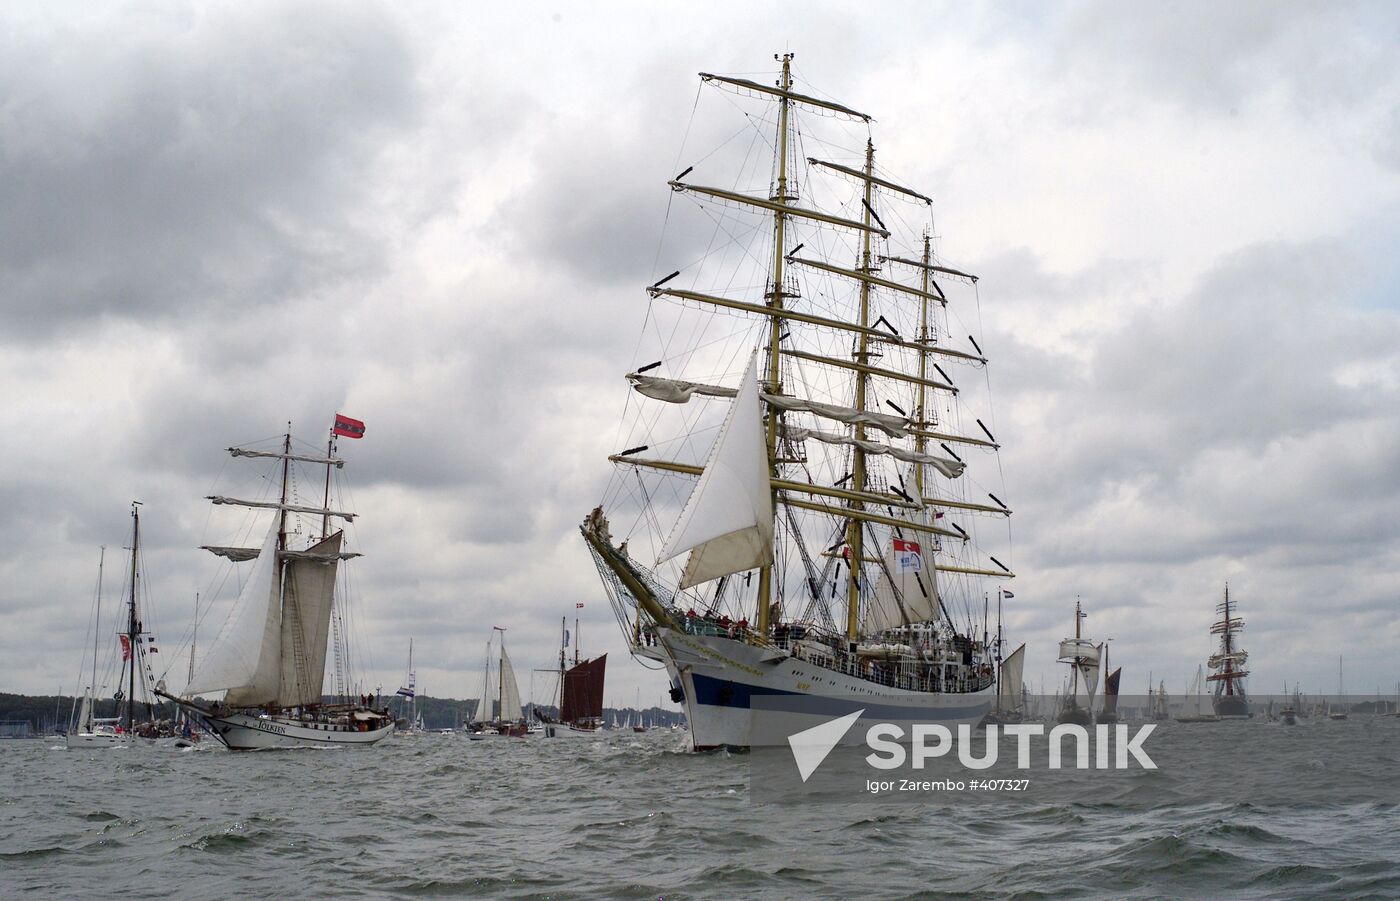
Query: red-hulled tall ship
column 1227, row 665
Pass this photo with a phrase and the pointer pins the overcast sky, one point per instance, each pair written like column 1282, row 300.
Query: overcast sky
column 215, row 218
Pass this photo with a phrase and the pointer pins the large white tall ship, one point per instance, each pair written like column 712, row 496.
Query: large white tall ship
column 269, row 660
column 805, row 508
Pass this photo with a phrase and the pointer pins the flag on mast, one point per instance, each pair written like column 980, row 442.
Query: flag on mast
column 347, row 427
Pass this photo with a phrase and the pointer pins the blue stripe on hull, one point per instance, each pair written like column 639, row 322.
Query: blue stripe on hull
column 713, row 692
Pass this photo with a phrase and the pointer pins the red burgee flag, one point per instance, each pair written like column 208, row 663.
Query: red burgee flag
column 126, row 647
column 350, row 428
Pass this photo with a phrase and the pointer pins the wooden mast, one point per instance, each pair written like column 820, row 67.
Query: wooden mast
column 856, row 528
column 920, row 437
column 775, row 302
column 132, row 633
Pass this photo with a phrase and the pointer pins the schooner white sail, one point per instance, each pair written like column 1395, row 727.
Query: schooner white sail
column 499, row 713
column 269, row 660
column 805, row 561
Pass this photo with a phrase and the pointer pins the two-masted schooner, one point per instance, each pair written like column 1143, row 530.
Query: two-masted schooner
column 815, row 372
column 269, row 659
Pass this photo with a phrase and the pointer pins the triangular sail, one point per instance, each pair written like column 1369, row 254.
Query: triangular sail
column 306, row 621
column 1009, row 682
column 727, row 524
column 246, row 660
column 510, row 690
column 85, row 713
column 1110, row 691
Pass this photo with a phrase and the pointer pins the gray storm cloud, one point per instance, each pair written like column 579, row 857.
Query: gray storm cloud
column 218, row 218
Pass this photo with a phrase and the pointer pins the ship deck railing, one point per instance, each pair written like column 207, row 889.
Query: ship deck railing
column 948, row 678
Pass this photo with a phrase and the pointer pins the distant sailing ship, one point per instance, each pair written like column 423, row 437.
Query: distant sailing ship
column 1109, row 712
column 580, row 693
column 1159, row 708
column 499, row 714
column 1082, row 657
column 270, row 659
column 1227, row 665
column 1011, row 702
column 817, row 568
column 1340, row 711
column 408, row 712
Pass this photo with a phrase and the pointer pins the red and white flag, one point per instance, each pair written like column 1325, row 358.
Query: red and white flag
column 578, row 606
column 347, row 427
column 908, row 556
column 126, row 647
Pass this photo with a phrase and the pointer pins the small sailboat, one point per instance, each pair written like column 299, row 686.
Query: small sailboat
column 1160, row 710
column 1288, row 713
column 408, row 712
column 640, row 725
column 136, row 678
column 88, row 732
column 499, row 714
column 1109, row 712
column 1198, row 688
column 580, row 693
column 270, row 660
column 1010, row 706
column 1338, row 711
column 1082, row 657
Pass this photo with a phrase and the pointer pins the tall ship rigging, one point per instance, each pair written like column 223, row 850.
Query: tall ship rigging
column 1082, row 657
column 269, row 660
column 798, row 511
column 1227, row 664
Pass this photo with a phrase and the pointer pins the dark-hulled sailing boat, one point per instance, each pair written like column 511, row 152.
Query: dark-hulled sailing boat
column 1227, row 665
column 580, row 693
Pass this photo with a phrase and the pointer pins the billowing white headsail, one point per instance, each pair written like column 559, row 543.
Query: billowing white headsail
column 246, row 661
column 727, row 524
column 510, row 691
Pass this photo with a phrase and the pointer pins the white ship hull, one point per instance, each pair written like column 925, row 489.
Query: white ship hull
column 722, row 678
column 87, row 740
column 244, row 732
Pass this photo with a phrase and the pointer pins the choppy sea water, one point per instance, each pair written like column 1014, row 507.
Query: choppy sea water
column 640, row 816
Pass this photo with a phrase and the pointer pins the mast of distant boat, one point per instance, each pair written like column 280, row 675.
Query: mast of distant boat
column 132, row 627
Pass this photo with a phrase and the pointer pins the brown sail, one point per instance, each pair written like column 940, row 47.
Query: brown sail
column 583, row 691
